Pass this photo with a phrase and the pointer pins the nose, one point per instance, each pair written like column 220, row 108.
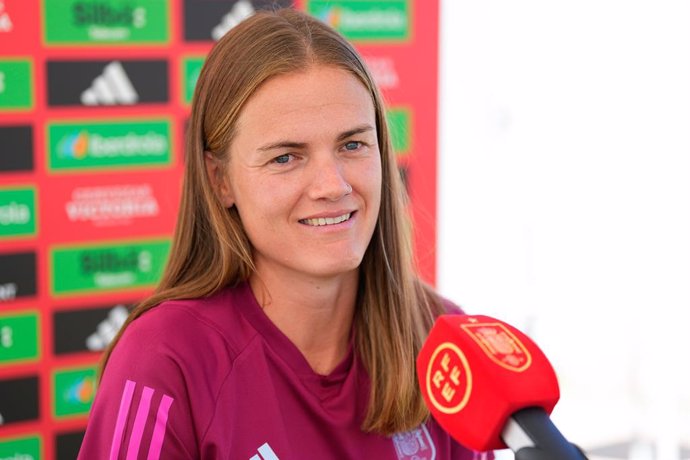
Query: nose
column 328, row 180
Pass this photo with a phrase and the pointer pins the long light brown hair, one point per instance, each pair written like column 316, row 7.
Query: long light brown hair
column 210, row 249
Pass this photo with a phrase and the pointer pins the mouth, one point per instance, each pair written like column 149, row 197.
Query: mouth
column 322, row 221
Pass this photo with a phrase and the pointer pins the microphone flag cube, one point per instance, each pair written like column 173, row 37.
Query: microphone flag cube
column 476, row 371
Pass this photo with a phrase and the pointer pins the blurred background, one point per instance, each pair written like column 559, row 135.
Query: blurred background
column 564, row 194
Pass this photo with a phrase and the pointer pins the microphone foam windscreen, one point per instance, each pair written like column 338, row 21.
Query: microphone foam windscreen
column 476, row 371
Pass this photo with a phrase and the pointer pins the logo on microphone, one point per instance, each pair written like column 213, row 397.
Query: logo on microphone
column 501, row 345
column 448, row 379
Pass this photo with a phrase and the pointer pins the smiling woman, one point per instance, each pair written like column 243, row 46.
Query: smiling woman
column 289, row 315
column 305, row 176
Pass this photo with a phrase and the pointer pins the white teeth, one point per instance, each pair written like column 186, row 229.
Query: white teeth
column 320, row 221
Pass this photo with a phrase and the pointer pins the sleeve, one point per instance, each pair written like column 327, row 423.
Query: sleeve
column 143, row 406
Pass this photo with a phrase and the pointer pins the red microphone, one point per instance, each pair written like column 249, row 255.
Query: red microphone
column 490, row 387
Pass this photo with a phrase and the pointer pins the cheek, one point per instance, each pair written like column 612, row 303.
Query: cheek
column 261, row 203
column 369, row 182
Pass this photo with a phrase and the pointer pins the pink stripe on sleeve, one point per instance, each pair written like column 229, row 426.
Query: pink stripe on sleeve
column 139, row 424
column 159, row 429
column 122, row 413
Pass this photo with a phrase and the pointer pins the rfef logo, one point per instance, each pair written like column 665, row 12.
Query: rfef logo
column 107, row 267
column 17, row 275
column 415, row 445
column 117, row 82
column 17, row 212
column 19, row 141
column 448, row 379
column 16, row 79
column 25, row 448
column 19, row 337
column 109, row 144
column 106, row 21
column 500, row 345
column 383, row 20
column 18, row 400
column 73, row 391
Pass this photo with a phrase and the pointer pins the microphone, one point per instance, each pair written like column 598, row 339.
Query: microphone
column 490, row 387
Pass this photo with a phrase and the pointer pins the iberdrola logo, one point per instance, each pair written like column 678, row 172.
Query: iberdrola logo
column 81, row 391
column 74, row 145
column 332, row 16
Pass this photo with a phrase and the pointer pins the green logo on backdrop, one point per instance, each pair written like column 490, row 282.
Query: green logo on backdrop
column 16, row 82
column 382, row 20
column 106, row 21
column 400, row 126
column 191, row 67
column 107, row 267
column 28, row 448
column 17, row 212
column 18, row 337
column 109, row 144
column 73, row 391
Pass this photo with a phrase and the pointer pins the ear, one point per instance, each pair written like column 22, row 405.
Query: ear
column 218, row 180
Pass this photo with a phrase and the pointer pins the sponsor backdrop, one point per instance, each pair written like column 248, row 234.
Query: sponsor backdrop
column 94, row 95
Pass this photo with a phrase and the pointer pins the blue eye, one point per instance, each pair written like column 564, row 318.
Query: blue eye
column 353, row 145
column 282, row 159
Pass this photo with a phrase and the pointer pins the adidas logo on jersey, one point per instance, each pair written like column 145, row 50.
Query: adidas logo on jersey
column 242, row 10
column 265, row 453
column 107, row 329
column 112, row 87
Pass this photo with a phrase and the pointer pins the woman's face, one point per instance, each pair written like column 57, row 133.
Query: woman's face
column 305, row 173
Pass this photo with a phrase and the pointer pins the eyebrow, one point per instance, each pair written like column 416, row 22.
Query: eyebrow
column 299, row 145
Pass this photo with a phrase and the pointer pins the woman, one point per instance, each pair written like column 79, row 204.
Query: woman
column 289, row 316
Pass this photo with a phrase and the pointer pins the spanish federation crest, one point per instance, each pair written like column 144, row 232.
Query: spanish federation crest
column 415, row 445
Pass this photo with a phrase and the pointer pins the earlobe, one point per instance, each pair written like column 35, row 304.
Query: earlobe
column 214, row 171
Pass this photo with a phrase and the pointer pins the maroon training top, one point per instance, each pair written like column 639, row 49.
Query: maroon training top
column 214, row 378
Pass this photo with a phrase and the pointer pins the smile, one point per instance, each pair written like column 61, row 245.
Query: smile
column 321, row 221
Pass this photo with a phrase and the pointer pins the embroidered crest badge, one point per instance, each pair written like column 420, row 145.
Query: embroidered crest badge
column 415, row 445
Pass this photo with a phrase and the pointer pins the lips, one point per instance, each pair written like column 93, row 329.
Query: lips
column 321, row 221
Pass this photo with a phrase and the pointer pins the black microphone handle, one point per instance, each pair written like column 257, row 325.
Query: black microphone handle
column 531, row 434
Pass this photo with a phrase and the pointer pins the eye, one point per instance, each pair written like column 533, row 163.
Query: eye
column 282, row 159
column 353, row 145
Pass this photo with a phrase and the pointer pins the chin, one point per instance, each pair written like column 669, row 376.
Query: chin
column 340, row 268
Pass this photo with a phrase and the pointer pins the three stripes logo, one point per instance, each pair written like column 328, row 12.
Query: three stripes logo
column 107, row 83
column 107, row 329
column 86, row 329
column 110, row 88
column 240, row 11
column 201, row 16
column 149, row 405
column 265, row 453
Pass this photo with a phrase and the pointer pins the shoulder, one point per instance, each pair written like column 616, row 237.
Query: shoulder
column 194, row 341
column 450, row 308
column 189, row 326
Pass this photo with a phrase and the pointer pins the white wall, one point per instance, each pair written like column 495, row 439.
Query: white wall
column 565, row 199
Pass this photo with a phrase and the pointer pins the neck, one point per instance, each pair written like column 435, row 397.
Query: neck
column 314, row 313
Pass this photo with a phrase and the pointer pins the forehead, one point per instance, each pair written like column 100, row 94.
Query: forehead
column 319, row 96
